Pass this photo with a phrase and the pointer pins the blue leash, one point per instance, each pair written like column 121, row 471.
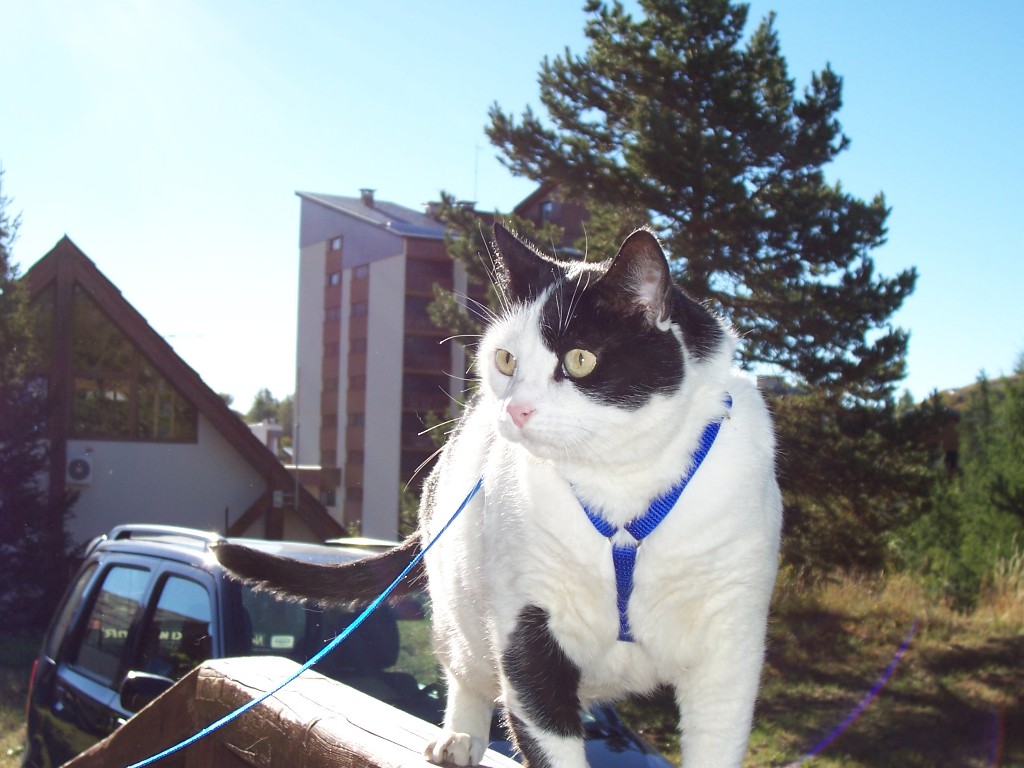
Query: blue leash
column 323, row 651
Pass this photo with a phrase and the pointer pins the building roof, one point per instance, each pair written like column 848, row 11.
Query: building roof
column 403, row 221
column 546, row 189
column 66, row 262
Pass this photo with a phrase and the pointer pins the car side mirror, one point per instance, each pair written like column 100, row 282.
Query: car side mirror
column 140, row 688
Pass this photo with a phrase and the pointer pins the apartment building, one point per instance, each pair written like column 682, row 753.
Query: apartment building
column 371, row 367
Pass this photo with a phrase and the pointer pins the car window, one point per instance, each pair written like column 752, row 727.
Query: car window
column 106, row 630
column 277, row 627
column 67, row 611
column 177, row 636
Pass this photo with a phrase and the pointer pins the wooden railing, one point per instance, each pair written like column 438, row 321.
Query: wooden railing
column 314, row 722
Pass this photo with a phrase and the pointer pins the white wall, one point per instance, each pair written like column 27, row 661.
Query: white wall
column 309, row 351
column 170, row 483
column 384, row 397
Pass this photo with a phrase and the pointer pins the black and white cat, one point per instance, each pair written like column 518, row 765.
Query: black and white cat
column 627, row 532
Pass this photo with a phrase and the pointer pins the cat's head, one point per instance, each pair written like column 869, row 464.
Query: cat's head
column 584, row 351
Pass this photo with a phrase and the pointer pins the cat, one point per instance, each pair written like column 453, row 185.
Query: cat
column 602, row 389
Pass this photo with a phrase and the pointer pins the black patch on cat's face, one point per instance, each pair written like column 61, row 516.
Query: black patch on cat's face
column 702, row 332
column 546, row 680
column 619, row 312
column 635, row 359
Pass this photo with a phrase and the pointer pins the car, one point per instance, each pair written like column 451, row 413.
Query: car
column 150, row 602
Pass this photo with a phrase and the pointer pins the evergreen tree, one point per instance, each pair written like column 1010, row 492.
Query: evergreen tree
column 33, row 541
column 264, row 406
column 675, row 114
column 676, row 120
column 976, row 515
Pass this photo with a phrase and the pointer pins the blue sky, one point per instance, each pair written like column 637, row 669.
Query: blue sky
column 168, row 140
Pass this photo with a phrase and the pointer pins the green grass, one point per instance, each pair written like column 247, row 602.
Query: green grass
column 954, row 699
column 16, row 654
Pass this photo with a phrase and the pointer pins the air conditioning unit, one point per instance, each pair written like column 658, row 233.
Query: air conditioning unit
column 79, row 470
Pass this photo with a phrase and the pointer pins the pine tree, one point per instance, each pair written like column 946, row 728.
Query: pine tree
column 675, row 114
column 33, row 541
column 976, row 515
column 679, row 121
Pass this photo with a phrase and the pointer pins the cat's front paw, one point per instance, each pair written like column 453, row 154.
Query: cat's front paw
column 456, row 749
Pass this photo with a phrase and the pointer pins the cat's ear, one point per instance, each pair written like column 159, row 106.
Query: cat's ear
column 522, row 272
column 640, row 274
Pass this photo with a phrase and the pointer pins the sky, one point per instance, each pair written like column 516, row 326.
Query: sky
column 168, row 139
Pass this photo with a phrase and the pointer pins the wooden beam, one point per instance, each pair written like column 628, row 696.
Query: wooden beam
column 315, row 722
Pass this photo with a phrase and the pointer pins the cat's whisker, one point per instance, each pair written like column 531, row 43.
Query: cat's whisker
column 460, row 336
column 475, row 307
column 425, row 463
column 438, row 426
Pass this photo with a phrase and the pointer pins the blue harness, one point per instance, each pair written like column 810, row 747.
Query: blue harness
column 624, row 555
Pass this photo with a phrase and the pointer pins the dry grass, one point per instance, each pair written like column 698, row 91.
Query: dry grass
column 954, row 697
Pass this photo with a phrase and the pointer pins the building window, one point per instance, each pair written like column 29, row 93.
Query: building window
column 330, row 385
column 328, row 458
column 355, row 457
column 356, row 383
column 360, row 309
column 329, row 420
column 332, row 314
column 118, row 393
column 334, row 278
column 331, row 349
column 356, row 419
column 357, row 345
column 547, row 211
column 361, row 272
column 328, row 497
column 336, row 244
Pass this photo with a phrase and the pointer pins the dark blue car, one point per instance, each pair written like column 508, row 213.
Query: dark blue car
column 150, row 603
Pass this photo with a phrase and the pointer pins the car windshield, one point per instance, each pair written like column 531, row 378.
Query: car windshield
column 389, row 657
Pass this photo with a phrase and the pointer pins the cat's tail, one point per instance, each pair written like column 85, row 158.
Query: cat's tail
column 356, row 581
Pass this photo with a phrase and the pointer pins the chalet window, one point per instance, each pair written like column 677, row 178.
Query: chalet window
column 118, row 393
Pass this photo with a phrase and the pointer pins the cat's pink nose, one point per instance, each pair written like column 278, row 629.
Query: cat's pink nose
column 519, row 412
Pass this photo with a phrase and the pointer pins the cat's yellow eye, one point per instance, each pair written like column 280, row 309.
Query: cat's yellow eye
column 505, row 361
column 579, row 362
